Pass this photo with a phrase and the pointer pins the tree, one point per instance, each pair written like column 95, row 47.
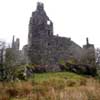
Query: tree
column 7, row 60
column 2, row 52
column 2, row 60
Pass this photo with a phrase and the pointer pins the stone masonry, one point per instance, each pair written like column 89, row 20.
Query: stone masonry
column 43, row 46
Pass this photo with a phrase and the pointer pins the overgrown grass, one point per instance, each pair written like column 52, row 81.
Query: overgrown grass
column 39, row 78
column 52, row 86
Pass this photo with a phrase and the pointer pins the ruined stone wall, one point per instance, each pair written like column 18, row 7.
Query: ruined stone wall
column 46, row 48
column 89, row 54
column 13, row 54
column 53, row 49
column 43, row 46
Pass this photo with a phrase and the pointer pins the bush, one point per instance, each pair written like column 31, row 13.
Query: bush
column 71, row 83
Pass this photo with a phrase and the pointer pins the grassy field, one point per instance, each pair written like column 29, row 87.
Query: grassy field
column 52, row 86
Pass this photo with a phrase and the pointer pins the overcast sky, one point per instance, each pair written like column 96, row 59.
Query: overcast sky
column 77, row 19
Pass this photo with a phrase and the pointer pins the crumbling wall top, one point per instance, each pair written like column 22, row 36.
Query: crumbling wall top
column 40, row 6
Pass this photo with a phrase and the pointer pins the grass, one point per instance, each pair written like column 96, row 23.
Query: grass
column 39, row 78
column 52, row 86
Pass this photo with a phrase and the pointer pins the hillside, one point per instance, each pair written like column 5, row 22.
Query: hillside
column 52, row 86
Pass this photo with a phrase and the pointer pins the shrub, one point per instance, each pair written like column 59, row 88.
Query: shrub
column 71, row 83
column 83, row 82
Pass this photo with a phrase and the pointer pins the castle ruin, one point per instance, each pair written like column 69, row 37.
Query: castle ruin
column 43, row 46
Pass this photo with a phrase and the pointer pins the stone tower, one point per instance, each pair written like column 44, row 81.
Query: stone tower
column 15, row 43
column 40, row 25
